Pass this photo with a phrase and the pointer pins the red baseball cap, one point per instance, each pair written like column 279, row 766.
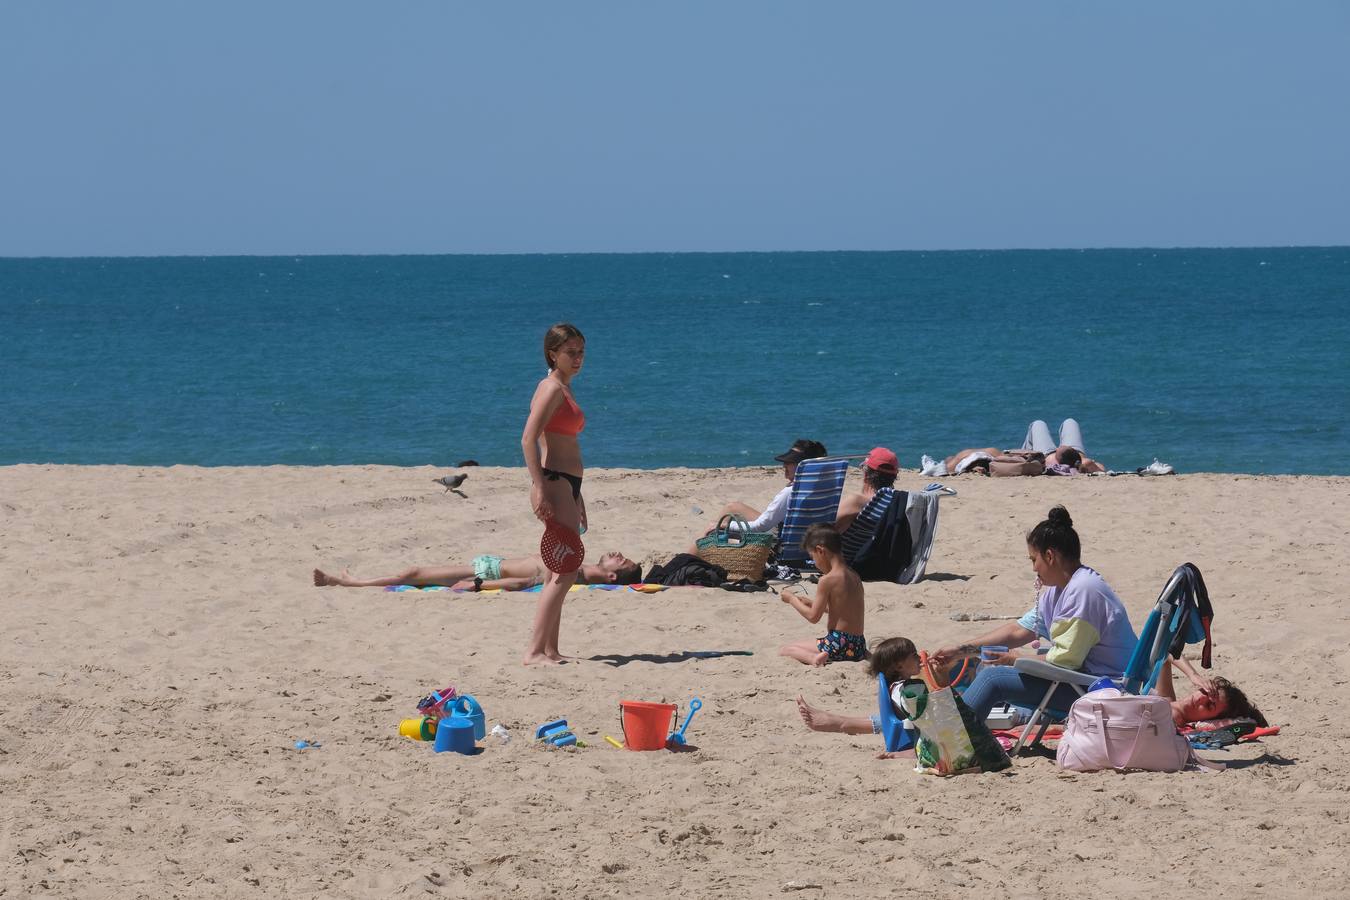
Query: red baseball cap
column 882, row 460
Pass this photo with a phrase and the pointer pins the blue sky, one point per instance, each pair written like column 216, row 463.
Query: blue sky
column 449, row 127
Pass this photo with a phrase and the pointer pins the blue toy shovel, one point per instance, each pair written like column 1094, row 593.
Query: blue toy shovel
column 678, row 737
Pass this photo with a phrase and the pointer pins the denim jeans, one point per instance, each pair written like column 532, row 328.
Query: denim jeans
column 1004, row 684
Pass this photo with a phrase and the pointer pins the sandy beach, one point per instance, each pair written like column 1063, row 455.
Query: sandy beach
column 165, row 648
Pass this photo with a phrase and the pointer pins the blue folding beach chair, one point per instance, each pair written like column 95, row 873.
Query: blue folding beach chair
column 893, row 731
column 1181, row 616
column 816, row 490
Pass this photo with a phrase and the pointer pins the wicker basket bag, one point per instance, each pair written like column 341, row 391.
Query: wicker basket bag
column 734, row 547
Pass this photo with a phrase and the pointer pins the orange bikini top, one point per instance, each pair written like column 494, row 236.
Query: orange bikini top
column 567, row 418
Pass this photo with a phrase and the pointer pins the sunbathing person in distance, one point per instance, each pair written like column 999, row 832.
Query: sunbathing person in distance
column 1068, row 452
column 1065, row 458
column 489, row 572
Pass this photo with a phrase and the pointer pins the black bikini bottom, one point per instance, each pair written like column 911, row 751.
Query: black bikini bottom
column 574, row 480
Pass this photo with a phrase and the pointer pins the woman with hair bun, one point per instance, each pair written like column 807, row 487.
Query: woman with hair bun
column 1076, row 609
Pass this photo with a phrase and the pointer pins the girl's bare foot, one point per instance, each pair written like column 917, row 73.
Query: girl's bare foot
column 818, row 719
column 820, row 659
column 539, row 659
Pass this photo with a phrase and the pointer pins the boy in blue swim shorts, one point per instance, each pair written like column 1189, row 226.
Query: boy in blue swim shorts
column 839, row 598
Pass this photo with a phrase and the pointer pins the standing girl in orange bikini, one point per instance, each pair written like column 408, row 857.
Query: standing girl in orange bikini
column 553, row 456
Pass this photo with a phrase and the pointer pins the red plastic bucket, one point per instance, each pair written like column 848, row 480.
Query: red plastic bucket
column 646, row 725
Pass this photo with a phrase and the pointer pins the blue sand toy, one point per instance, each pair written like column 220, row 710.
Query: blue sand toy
column 556, row 733
column 678, row 737
column 465, row 706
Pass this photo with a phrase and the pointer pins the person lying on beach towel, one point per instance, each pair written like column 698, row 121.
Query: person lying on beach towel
column 489, row 572
column 1213, row 698
column 1068, row 453
column 1065, row 458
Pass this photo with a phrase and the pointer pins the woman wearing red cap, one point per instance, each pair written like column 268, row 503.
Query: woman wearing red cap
column 859, row 514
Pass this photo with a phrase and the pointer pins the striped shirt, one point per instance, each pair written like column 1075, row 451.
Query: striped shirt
column 865, row 525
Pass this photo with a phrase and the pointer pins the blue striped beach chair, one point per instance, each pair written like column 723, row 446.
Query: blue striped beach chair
column 816, row 491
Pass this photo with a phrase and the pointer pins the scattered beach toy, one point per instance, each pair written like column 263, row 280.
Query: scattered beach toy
column 557, row 734
column 646, row 725
column 466, row 707
column 455, row 734
column 451, row 481
column 304, row 745
column 422, row 728
column 615, row 742
column 678, row 737
column 434, row 704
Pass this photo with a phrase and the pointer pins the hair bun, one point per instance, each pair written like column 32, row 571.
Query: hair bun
column 1059, row 516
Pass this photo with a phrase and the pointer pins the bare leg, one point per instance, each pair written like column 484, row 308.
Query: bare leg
column 543, row 646
column 820, row 720
column 418, row 576
column 736, row 508
column 1038, row 438
column 805, row 652
column 1071, row 434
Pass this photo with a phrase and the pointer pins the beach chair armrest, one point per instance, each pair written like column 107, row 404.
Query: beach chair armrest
column 1039, row 668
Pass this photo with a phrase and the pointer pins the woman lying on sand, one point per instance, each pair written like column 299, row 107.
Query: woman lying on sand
column 1214, row 698
column 488, row 573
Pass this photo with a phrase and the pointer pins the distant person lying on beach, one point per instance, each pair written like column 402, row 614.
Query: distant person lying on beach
column 898, row 660
column 1066, row 458
column 776, row 511
column 839, row 597
column 1068, row 452
column 489, row 572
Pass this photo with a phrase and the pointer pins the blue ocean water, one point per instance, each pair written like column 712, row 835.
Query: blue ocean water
column 1213, row 360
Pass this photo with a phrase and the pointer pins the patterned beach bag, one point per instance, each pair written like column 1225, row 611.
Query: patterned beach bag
column 734, row 547
column 951, row 740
